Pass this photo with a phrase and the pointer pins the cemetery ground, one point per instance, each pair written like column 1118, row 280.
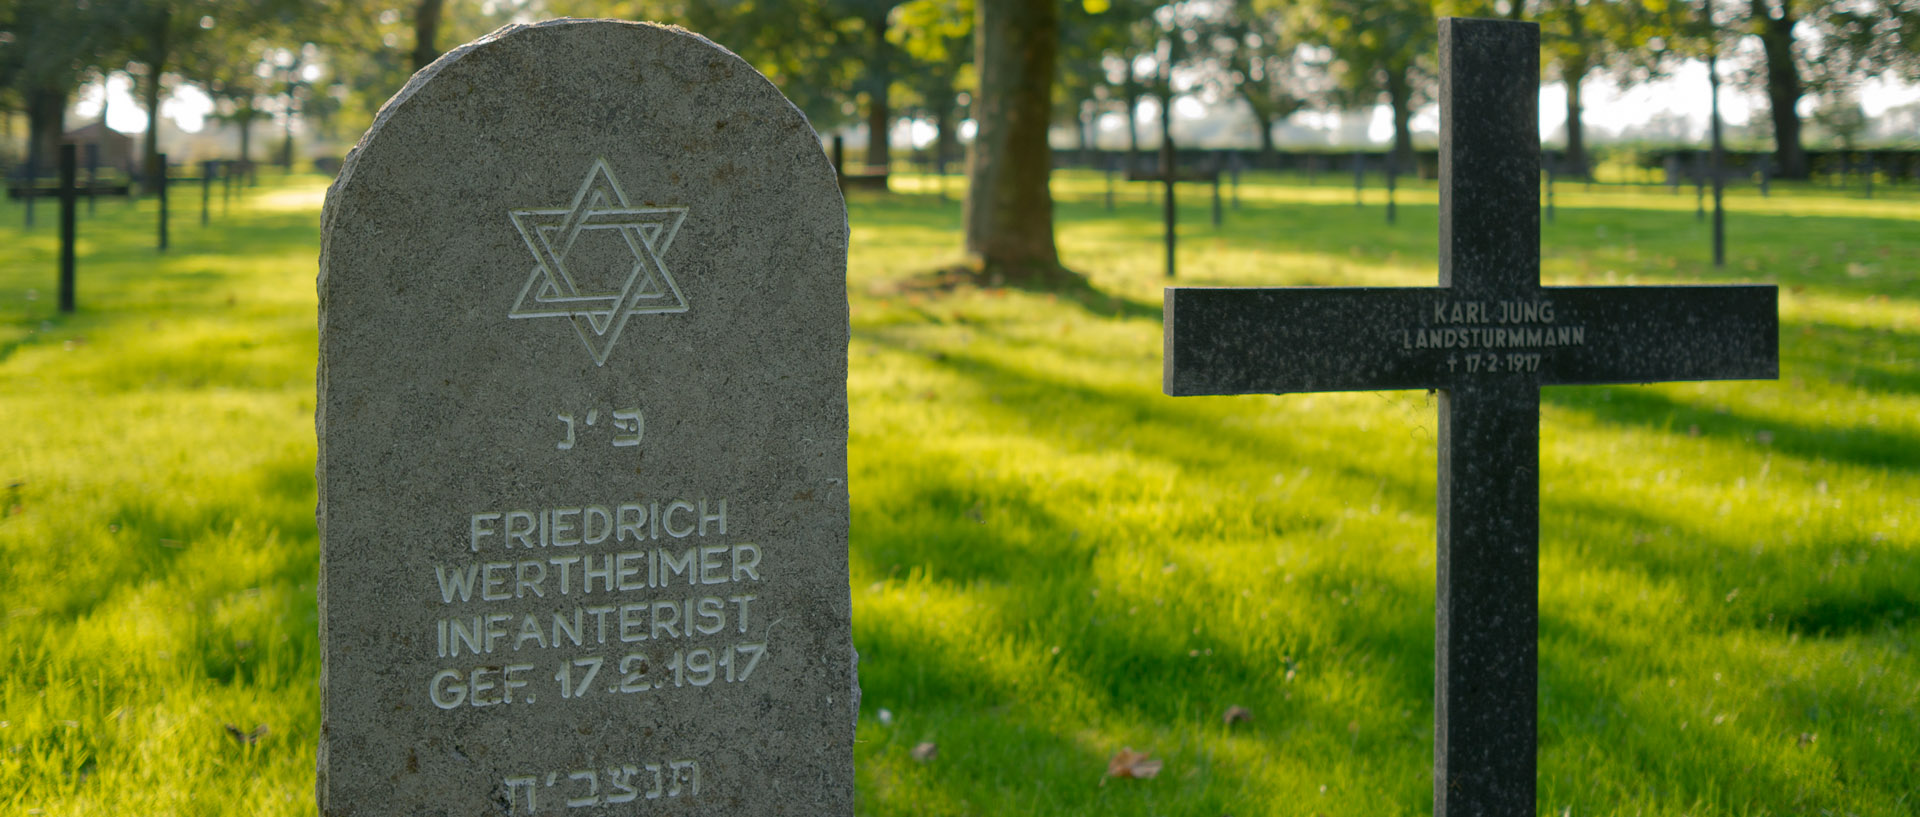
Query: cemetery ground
column 1052, row 562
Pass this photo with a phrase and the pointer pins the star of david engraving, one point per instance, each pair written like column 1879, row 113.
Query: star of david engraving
column 554, row 291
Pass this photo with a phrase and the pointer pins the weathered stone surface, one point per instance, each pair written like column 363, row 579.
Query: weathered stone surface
column 583, row 440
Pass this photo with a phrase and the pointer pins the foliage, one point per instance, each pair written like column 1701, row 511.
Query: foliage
column 1381, row 49
column 368, row 50
column 1251, row 53
column 46, row 48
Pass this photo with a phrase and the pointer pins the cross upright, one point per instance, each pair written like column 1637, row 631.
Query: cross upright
column 1487, row 338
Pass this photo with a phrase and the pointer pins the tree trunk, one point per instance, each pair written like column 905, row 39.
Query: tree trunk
column 1263, row 118
column 1573, row 72
column 1783, row 88
column 1082, row 131
column 1009, row 209
column 1576, row 163
column 426, row 27
column 879, row 98
column 944, row 139
column 1400, row 99
column 46, row 123
column 245, row 120
column 286, row 147
column 156, row 59
column 1133, row 125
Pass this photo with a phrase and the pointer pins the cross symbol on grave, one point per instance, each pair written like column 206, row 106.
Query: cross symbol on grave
column 1487, row 338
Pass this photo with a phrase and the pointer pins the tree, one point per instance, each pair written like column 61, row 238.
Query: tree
column 232, row 76
column 1099, row 44
column 1581, row 37
column 1380, row 48
column 1856, row 38
column 936, row 36
column 426, row 27
column 46, row 48
column 158, row 30
column 1251, row 57
column 369, row 48
column 881, row 57
column 1840, row 115
column 235, row 64
column 1009, row 209
column 1783, row 83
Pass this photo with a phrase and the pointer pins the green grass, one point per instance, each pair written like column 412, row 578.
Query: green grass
column 1051, row 560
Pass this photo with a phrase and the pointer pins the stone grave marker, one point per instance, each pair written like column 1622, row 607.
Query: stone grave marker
column 1487, row 338
column 582, row 418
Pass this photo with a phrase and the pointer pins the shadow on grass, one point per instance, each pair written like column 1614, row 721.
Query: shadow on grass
column 935, row 525
column 1600, row 731
column 1657, row 411
column 1852, row 593
column 1873, row 360
column 1155, row 426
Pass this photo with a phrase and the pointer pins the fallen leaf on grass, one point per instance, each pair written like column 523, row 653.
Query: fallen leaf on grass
column 1137, row 765
column 246, row 738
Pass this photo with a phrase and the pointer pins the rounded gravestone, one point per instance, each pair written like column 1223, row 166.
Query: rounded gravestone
column 582, row 422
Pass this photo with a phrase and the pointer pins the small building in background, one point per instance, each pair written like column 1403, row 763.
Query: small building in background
column 117, row 150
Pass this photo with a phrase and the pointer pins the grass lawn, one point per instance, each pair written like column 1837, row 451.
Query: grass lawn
column 1053, row 562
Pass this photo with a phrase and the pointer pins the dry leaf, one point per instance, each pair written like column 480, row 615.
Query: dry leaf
column 925, row 752
column 1129, row 763
column 1237, row 714
column 246, row 738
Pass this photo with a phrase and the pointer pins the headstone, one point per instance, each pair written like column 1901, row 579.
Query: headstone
column 1359, row 176
column 1168, row 173
column 1217, row 215
column 93, row 174
column 1550, row 180
column 206, row 189
column 68, row 226
column 1487, row 338
column 28, row 192
column 1393, row 183
column 1236, row 164
column 1112, row 164
column 1699, row 187
column 161, row 188
column 582, row 418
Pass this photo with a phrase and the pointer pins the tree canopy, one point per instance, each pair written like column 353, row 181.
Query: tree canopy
column 870, row 63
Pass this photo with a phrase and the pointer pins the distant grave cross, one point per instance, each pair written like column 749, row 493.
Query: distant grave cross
column 1487, row 339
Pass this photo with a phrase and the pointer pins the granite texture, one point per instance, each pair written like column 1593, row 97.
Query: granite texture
column 1487, row 338
column 582, row 421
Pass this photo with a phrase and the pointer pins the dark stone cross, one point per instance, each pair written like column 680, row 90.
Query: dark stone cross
column 1487, row 338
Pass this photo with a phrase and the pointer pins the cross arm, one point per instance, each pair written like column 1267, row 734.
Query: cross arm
column 1308, row 339
column 1651, row 334
column 1292, row 339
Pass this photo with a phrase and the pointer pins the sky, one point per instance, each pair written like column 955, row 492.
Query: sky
column 1608, row 108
